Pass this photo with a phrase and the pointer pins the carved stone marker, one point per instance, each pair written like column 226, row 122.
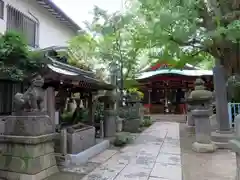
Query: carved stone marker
column 201, row 100
column 235, row 145
column 27, row 143
column 110, row 115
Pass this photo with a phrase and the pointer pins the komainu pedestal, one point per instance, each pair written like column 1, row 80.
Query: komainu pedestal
column 28, row 148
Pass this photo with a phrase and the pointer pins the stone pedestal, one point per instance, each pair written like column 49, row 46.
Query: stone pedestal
column 28, row 148
column 27, row 157
column 110, row 127
column 29, row 124
column 203, row 131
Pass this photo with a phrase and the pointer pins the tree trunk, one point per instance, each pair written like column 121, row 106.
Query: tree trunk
column 228, row 54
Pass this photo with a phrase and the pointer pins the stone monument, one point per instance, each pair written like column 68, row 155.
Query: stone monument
column 27, row 143
column 110, row 115
column 201, row 100
column 133, row 114
column 234, row 144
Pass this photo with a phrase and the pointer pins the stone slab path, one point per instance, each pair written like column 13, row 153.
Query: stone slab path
column 154, row 155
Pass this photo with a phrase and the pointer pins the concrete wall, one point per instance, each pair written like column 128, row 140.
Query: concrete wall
column 51, row 31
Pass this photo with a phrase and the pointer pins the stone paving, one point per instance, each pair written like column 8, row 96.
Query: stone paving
column 155, row 155
column 220, row 165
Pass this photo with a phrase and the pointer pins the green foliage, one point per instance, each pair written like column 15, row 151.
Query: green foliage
column 81, row 51
column 99, row 112
column 187, row 31
column 233, row 86
column 135, row 90
column 122, row 139
column 110, row 38
column 16, row 60
column 67, row 117
column 147, row 121
column 80, row 115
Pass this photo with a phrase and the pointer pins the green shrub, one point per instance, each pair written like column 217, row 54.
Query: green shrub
column 67, row 117
column 147, row 121
column 122, row 139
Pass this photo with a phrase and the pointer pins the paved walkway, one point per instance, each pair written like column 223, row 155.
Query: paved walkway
column 155, row 155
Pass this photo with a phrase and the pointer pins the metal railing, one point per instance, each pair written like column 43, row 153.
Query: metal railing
column 233, row 111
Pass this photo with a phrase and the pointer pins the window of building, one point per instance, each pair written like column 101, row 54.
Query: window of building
column 1, row 9
column 17, row 21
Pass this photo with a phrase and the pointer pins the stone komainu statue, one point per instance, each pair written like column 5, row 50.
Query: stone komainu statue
column 32, row 99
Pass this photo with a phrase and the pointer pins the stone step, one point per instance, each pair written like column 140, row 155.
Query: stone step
column 221, row 137
column 222, row 145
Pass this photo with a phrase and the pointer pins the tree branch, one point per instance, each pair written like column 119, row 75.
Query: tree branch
column 206, row 16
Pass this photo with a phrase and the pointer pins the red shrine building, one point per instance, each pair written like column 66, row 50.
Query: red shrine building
column 166, row 88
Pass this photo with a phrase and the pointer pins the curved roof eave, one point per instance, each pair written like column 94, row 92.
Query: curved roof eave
column 146, row 75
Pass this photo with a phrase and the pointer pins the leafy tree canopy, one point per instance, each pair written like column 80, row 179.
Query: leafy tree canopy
column 16, row 60
column 189, row 31
column 109, row 39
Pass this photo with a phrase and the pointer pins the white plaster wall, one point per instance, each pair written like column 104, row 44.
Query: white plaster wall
column 51, row 31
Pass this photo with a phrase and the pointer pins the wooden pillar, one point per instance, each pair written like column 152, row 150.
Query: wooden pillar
column 90, row 109
column 149, row 99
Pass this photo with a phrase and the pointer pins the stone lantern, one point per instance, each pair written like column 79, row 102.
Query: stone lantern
column 200, row 100
column 110, row 115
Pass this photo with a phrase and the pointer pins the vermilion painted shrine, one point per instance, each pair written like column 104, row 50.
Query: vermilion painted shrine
column 160, row 84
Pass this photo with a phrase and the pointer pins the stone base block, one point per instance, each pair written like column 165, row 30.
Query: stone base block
column 21, row 176
column 221, row 139
column 29, row 124
column 27, row 157
column 27, row 165
column 203, row 148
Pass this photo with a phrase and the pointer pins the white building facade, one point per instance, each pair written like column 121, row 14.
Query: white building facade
column 41, row 22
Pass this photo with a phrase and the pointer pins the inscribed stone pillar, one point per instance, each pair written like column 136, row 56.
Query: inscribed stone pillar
column 110, row 116
column 51, row 103
column 221, row 98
